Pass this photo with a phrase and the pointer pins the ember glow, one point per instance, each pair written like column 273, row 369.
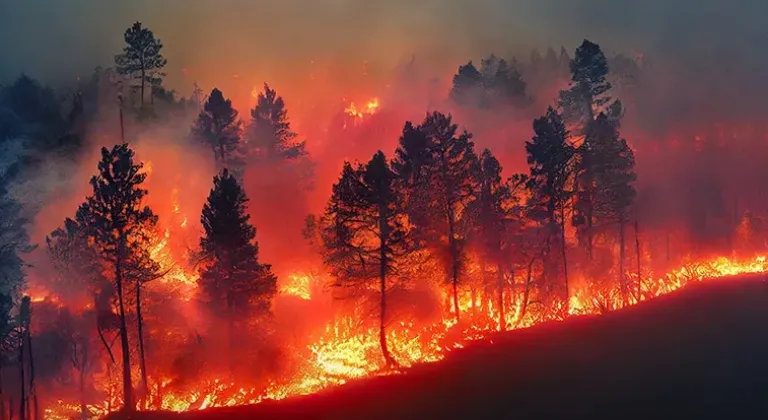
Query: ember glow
column 346, row 351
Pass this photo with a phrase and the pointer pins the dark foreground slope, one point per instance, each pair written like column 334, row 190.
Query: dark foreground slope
column 699, row 353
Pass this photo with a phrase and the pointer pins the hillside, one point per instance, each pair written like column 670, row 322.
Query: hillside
column 698, row 353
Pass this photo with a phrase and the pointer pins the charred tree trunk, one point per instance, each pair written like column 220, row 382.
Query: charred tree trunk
column 622, row 279
column 129, row 404
column 383, row 310
column 637, row 255
column 383, row 264
column 143, row 83
column 526, row 291
column 565, row 260
column 144, row 387
column 500, row 297
column 23, row 382
column 454, row 262
column 32, row 388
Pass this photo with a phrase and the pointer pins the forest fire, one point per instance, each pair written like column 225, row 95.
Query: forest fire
column 345, row 353
column 221, row 256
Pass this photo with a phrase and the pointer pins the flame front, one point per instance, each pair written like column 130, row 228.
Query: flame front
column 345, row 351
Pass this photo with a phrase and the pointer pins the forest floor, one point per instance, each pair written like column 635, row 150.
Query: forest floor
column 699, row 353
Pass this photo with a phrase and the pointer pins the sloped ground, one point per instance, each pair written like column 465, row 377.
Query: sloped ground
column 700, row 353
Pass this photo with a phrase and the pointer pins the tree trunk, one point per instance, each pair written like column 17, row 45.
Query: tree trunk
column 32, row 388
column 144, row 386
column 454, row 263
column 622, row 280
column 129, row 404
column 383, row 260
column 81, row 385
column 23, row 382
column 526, row 291
column 383, row 309
column 143, row 82
column 565, row 260
column 500, row 297
column 637, row 255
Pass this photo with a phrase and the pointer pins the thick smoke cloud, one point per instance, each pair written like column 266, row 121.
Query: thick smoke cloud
column 266, row 39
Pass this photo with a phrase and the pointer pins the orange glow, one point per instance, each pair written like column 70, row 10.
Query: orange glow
column 344, row 352
column 369, row 108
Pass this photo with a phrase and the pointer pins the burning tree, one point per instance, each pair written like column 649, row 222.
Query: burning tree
column 218, row 127
column 119, row 226
column 610, row 163
column 232, row 282
column 493, row 221
column 141, row 59
column 364, row 233
column 549, row 157
column 587, row 97
column 438, row 170
column 270, row 136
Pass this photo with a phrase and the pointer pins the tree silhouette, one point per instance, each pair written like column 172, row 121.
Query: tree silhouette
column 438, row 169
column 141, row 59
column 588, row 93
column 218, row 127
column 119, row 226
column 232, row 282
column 549, row 158
column 493, row 222
column 364, row 232
column 610, row 164
column 270, row 134
column 467, row 86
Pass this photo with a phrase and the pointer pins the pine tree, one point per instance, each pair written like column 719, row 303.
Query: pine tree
column 75, row 262
column 492, row 219
column 364, row 233
column 587, row 97
column 270, row 135
column 233, row 282
column 588, row 93
column 549, row 158
column 119, row 226
column 438, row 169
column 467, row 89
column 141, row 59
column 218, row 127
column 612, row 165
column 507, row 86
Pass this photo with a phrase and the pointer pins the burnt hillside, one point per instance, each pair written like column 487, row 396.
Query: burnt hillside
column 698, row 353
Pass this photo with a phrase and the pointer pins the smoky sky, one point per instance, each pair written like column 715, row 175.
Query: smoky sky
column 64, row 39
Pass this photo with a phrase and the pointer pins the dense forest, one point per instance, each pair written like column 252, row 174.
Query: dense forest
column 134, row 220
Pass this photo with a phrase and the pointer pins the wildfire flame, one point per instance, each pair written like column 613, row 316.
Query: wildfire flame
column 344, row 353
column 369, row 108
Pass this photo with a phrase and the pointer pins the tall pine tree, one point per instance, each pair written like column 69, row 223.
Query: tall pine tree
column 549, row 158
column 364, row 233
column 612, row 165
column 219, row 128
column 141, row 59
column 493, row 222
column 119, row 225
column 269, row 133
column 438, row 169
column 233, row 282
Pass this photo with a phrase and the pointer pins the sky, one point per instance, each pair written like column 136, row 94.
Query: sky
column 213, row 39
